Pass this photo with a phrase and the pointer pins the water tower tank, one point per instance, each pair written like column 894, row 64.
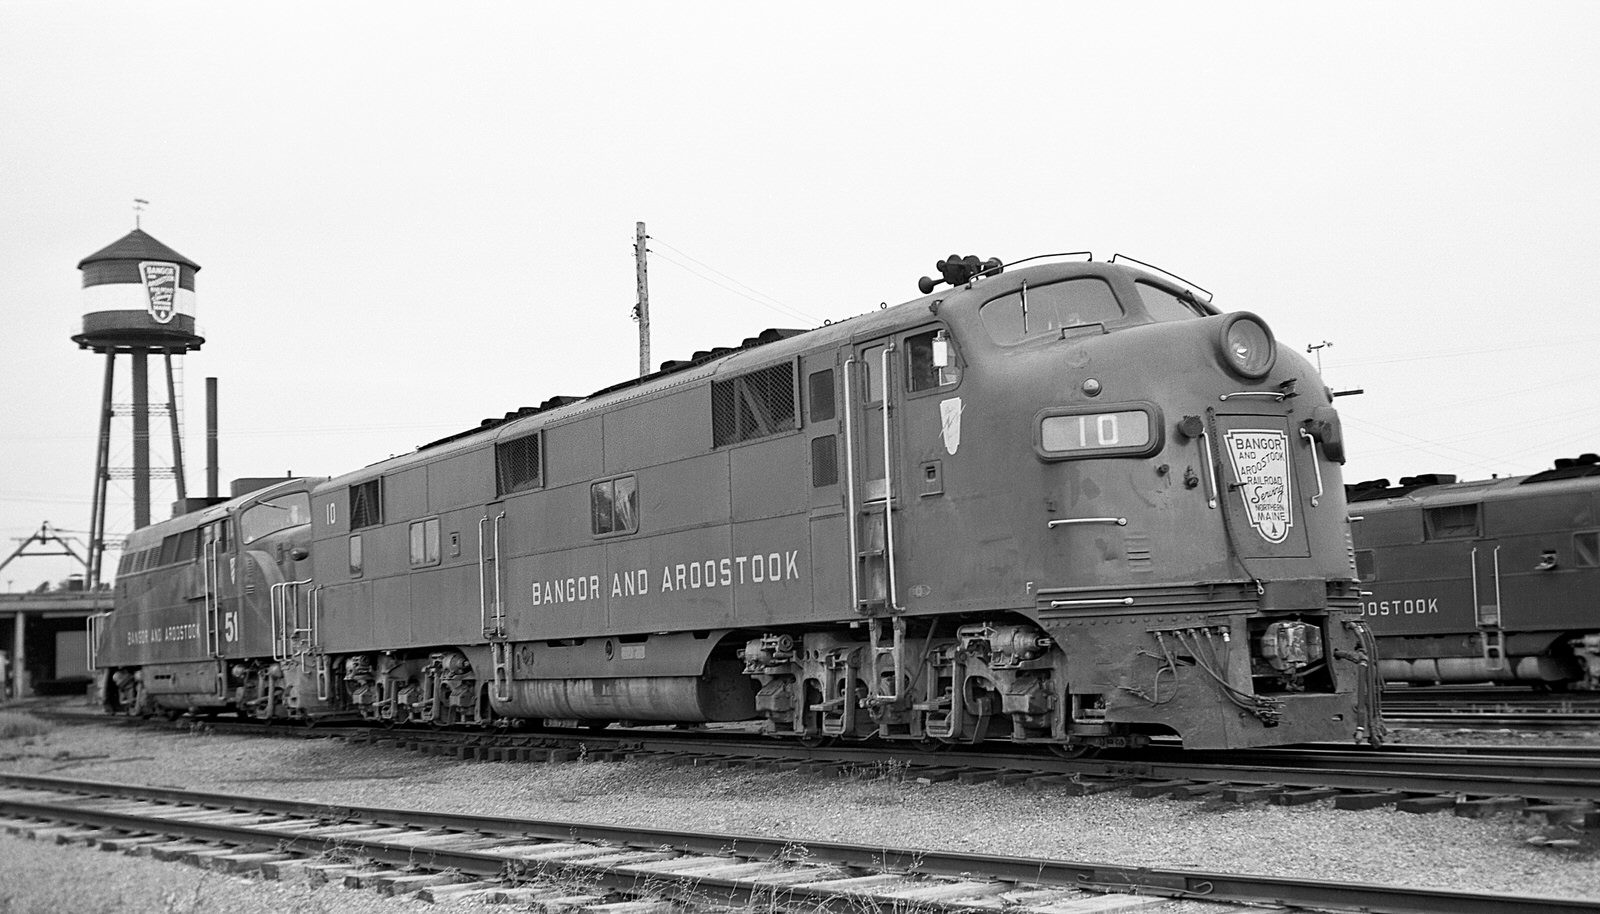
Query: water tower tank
column 138, row 297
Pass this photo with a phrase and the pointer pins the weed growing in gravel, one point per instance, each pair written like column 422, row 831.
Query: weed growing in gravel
column 177, row 901
column 13, row 725
column 891, row 770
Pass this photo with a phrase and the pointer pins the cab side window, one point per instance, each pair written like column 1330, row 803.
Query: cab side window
column 922, row 368
column 425, row 542
column 614, row 506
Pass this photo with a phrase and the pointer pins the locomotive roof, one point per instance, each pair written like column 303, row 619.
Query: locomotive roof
column 155, row 532
column 1443, row 487
column 769, row 346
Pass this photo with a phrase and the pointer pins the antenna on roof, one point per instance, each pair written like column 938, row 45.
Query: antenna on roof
column 138, row 207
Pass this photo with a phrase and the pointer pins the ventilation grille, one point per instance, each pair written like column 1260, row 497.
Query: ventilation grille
column 517, row 464
column 753, row 405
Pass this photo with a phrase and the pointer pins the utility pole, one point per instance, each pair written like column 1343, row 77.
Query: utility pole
column 641, row 311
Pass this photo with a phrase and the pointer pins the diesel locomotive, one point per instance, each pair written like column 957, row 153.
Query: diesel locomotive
column 1496, row 580
column 1067, row 503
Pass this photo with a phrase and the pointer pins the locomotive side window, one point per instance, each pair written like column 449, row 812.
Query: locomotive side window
column 366, row 504
column 614, row 506
column 1164, row 306
column 1451, row 522
column 1586, row 548
column 1034, row 311
column 871, row 365
column 355, row 555
column 516, row 464
column 425, row 542
column 1366, row 565
column 922, row 370
column 753, row 405
column 824, row 462
column 821, row 393
column 276, row 514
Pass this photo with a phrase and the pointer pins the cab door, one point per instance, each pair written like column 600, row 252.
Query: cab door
column 869, row 452
column 902, row 422
column 219, row 593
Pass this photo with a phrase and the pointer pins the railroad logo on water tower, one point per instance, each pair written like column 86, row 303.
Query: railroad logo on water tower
column 160, row 288
column 1261, row 465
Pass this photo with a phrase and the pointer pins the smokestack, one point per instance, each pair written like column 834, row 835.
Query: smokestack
column 211, row 438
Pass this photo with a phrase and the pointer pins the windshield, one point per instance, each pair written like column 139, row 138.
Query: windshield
column 1164, row 306
column 275, row 514
column 1046, row 310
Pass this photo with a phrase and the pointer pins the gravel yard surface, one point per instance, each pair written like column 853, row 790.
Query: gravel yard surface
column 1380, row 846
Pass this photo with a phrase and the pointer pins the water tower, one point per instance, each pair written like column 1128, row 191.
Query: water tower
column 138, row 301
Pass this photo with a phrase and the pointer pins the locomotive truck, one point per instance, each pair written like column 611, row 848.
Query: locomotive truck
column 1064, row 503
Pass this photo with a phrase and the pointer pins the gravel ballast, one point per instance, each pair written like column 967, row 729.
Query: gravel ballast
column 1318, row 842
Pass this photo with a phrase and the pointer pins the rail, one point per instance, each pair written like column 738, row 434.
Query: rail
column 736, row 869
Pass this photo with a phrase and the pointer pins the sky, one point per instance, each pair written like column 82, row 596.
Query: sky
column 410, row 217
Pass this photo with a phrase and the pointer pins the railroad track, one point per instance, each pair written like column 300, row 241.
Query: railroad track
column 1556, row 785
column 440, row 856
column 1473, row 719
column 1492, row 708
column 1561, row 785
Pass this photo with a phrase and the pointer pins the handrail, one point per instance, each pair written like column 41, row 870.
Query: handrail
column 1499, row 607
column 1316, row 464
column 483, row 597
column 888, row 487
column 274, row 610
column 1062, row 522
column 1213, row 486
column 315, row 596
column 850, row 486
column 283, row 599
column 1477, row 605
column 210, row 580
column 499, row 597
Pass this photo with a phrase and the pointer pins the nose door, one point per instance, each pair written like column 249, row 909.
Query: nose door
column 1261, row 495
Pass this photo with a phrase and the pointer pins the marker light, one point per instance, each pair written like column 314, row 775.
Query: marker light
column 1246, row 345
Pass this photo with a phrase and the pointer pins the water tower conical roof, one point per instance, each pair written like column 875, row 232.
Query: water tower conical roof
column 137, row 245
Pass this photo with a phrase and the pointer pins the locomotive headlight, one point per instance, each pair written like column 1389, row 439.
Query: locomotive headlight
column 1246, row 345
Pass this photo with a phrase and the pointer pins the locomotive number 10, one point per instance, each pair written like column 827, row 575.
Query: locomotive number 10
column 1083, row 433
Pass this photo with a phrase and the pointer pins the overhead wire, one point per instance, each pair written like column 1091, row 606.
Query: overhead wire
column 738, row 288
